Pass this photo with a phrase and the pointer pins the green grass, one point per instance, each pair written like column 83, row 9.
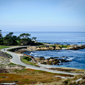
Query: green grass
column 63, row 46
column 2, row 47
column 15, row 64
column 27, row 62
column 11, row 64
column 27, row 58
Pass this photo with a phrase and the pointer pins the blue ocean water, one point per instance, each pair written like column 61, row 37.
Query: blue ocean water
column 56, row 37
column 77, row 56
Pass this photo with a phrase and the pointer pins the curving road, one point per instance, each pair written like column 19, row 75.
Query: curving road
column 16, row 60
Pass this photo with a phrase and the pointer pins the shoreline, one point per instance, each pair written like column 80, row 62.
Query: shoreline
column 16, row 60
column 31, row 49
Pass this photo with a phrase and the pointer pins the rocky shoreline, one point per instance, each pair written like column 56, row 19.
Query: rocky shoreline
column 61, row 47
column 51, row 60
column 50, row 47
column 15, row 71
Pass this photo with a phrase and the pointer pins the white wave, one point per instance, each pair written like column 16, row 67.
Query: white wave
column 69, row 59
column 38, row 55
column 31, row 53
column 35, row 55
column 46, row 56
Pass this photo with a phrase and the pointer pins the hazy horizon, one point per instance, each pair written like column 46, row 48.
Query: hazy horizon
column 42, row 15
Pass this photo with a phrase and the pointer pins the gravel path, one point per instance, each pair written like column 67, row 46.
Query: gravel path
column 16, row 60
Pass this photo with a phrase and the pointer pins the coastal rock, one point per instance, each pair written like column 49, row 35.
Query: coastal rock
column 51, row 59
column 49, row 63
column 75, row 47
column 56, row 62
column 51, row 48
column 39, row 59
column 46, row 60
column 43, row 62
column 42, row 48
column 57, row 48
column 63, row 60
column 82, row 46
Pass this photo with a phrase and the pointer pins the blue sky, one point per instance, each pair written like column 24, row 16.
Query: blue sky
column 42, row 15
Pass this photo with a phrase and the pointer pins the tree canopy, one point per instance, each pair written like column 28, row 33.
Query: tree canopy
column 24, row 35
column 22, row 39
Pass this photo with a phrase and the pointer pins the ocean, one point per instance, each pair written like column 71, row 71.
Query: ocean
column 77, row 56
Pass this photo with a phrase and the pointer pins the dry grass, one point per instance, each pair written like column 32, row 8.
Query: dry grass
column 69, row 70
column 36, row 77
column 29, row 76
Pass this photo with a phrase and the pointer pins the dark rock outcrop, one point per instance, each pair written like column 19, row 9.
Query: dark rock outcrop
column 51, row 60
column 39, row 59
column 75, row 47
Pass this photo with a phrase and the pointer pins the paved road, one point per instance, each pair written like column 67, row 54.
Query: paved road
column 16, row 60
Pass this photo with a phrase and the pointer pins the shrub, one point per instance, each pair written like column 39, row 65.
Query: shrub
column 66, row 82
column 27, row 58
column 11, row 64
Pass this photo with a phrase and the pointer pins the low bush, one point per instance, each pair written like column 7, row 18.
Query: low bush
column 27, row 58
column 11, row 64
column 66, row 82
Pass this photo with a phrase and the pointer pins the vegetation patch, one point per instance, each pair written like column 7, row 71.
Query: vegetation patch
column 2, row 47
column 22, row 39
column 16, row 65
column 11, row 64
column 28, row 76
column 26, row 60
column 63, row 46
column 31, row 76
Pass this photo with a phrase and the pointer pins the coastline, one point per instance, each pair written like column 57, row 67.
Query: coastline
column 61, row 74
column 15, row 56
column 32, row 48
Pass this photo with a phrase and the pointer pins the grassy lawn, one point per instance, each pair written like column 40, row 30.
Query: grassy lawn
column 27, row 62
column 1, row 47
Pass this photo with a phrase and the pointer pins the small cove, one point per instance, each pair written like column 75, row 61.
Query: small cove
column 77, row 57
